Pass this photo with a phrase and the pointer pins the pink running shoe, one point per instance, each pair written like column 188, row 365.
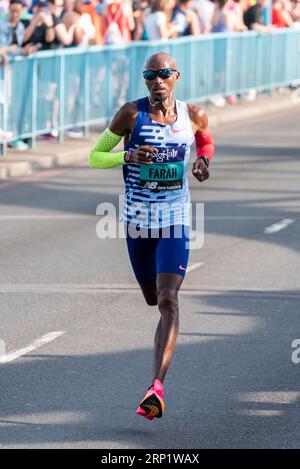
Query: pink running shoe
column 152, row 405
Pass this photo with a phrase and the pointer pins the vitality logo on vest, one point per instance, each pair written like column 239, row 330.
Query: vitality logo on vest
column 166, row 154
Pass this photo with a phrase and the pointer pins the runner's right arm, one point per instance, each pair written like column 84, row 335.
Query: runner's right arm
column 121, row 125
column 101, row 156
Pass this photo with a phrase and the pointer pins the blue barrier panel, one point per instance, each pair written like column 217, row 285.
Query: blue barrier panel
column 2, row 109
column 64, row 88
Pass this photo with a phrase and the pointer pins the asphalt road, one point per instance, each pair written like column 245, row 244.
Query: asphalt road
column 232, row 383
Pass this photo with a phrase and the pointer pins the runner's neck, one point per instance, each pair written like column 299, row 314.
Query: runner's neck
column 160, row 106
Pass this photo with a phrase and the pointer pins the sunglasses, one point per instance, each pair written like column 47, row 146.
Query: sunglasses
column 164, row 73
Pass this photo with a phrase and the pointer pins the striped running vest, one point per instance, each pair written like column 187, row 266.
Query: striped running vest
column 157, row 195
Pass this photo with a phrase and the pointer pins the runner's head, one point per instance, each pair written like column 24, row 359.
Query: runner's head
column 161, row 86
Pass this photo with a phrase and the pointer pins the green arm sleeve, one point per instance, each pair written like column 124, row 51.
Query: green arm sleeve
column 100, row 156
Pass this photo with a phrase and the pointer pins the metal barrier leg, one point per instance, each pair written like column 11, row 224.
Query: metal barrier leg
column 3, row 105
column 61, row 114
column 86, row 102
column 34, row 71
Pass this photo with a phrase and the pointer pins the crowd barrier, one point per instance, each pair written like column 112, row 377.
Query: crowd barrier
column 79, row 87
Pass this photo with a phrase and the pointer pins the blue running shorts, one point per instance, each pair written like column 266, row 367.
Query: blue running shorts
column 163, row 250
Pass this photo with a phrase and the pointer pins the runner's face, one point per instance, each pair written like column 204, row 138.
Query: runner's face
column 159, row 88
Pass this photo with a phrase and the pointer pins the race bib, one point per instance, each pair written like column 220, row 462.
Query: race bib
column 166, row 172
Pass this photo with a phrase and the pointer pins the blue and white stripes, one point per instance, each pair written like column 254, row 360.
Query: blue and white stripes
column 157, row 209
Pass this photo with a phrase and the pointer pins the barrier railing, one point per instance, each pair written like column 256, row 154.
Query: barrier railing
column 78, row 87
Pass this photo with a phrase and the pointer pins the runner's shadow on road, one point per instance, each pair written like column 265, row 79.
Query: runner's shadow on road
column 232, row 384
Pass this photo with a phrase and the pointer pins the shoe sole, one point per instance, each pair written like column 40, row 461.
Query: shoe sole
column 152, row 407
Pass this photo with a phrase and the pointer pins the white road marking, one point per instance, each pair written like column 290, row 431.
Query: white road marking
column 52, row 417
column 45, row 339
column 260, row 413
column 279, row 226
column 274, row 397
column 194, row 266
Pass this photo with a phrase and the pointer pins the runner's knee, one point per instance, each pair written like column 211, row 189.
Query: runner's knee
column 168, row 301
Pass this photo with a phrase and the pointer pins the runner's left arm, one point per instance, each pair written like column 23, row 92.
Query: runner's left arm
column 205, row 146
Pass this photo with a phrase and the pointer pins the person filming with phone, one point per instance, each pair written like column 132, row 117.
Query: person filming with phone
column 41, row 29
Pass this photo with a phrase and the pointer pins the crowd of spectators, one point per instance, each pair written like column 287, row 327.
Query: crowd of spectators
column 30, row 25
column 27, row 26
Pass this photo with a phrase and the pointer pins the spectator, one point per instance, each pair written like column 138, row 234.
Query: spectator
column 281, row 18
column 237, row 8
column 56, row 7
column 41, row 29
column 205, row 10
column 157, row 23
column 68, row 6
column 26, row 16
column 12, row 28
column 253, row 17
column 12, row 31
column 90, row 7
column 11, row 40
column 185, row 18
column 63, row 36
column 85, row 32
column 224, row 19
column 70, row 13
column 295, row 11
column 4, row 6
column 139, row 13
column 118, row 22
column 46, row 31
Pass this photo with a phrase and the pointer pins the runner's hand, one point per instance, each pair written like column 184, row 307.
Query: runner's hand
column 143, row 155
column 200, row 170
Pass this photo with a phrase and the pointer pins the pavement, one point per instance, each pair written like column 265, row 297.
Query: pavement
column 77, row 336
column 49, row 155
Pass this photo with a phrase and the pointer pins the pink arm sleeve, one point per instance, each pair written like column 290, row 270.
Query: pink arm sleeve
column 205, row 145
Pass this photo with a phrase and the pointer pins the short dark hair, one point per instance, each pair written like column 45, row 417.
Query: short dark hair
column 15, row 2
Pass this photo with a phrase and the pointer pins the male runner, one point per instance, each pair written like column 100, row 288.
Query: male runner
column 158, row 132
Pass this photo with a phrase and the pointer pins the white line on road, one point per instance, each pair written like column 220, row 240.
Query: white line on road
column 45, row 339
column 194, row 266
column 279, row 225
